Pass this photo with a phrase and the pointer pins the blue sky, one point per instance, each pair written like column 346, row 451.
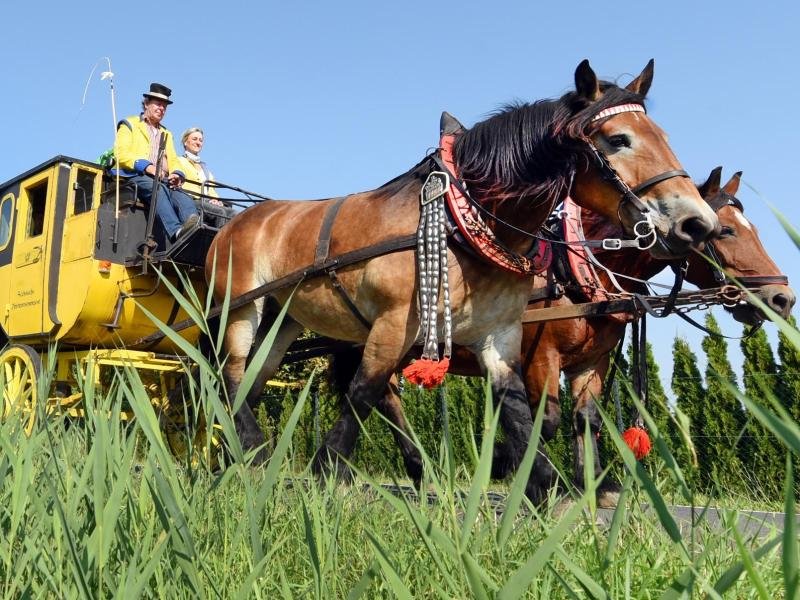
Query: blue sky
column 313, row 99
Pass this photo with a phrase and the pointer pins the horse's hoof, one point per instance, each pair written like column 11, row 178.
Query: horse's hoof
column 502, row 465
column 607, row 498
column 608, row 494
column 414, row 471
column 326, row 466
column 260, row 458
column 562, row 506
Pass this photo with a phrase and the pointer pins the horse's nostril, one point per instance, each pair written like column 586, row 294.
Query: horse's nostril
column 694, row 229
column 779, row 301
column 782, row 302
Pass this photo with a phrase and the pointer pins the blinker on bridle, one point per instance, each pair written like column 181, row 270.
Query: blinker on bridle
column 645, row 227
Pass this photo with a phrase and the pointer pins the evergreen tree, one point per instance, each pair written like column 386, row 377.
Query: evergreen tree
column 724, row 417
column 788, row 387
column 762, row 455
column 687, row 385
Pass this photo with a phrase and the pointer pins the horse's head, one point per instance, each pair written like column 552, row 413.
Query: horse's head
column 630, row 175
column 739, row 254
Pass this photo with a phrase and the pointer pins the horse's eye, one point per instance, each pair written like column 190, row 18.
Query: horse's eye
column 726, row 231
column 620, row 141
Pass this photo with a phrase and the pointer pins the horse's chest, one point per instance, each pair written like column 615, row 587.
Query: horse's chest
column 486, row 310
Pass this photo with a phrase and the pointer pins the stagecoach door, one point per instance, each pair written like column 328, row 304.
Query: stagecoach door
column 27, row 301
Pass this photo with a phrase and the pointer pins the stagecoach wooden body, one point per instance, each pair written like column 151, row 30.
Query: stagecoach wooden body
column 78, row 262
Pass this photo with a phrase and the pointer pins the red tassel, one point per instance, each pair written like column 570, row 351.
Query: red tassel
column 638, row 441
column 426, row 372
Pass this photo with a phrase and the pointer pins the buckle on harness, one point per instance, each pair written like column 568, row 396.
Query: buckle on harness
column 611, row 244
column 649, row 231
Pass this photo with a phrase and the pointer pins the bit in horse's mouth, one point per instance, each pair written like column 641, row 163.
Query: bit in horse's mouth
column 747, row 314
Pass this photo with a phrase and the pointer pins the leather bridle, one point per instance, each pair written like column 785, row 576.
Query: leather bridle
column 628, row 193
column 719, row 201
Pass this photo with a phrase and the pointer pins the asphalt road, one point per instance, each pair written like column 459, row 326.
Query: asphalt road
column 750, row 523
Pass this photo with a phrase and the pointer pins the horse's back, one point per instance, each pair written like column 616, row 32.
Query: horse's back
column 278, row 237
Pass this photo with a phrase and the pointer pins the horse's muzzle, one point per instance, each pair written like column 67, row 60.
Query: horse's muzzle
column 780, row 298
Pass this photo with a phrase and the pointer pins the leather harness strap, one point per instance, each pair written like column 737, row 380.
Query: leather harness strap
column 397, row 244
column 324, row 239
column 321, row 255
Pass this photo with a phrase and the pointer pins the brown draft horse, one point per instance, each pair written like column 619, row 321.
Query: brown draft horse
column 581, row 348
column 517, row 164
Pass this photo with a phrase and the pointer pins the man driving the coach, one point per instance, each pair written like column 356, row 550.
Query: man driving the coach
column 139, row 142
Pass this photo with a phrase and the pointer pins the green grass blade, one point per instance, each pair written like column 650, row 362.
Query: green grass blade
column 779, row 422
column 521, row 579
column 475, row 577
column 643, row 477
column 620, row 513
column 313, row 550
column 787, row 226
column 661, row 447
column 260, row 357
column 594, row 589
column 480, row 478
column 790, row 557
column 395, row 583
column 732, row 574
column 361, row 587
column 272, row 473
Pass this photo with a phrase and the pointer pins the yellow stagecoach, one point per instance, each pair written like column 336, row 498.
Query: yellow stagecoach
column 78, row 255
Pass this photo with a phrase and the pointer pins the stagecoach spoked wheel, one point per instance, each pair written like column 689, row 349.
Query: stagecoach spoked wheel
column 20, row 370
column 192, row 442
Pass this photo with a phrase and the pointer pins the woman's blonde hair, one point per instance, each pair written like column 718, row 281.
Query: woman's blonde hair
column 189, row 132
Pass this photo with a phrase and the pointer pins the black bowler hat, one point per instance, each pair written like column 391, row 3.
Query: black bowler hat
column 160, row 91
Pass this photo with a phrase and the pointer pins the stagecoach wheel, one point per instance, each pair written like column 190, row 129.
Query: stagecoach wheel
column 191, row 442
column 20, row 369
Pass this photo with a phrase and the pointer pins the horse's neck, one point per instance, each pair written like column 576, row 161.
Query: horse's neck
column 528, row 218
column 628, row 262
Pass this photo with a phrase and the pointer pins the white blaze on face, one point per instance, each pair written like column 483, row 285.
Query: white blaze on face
column 742, row 221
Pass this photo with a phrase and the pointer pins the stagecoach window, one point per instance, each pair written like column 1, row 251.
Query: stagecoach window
column 37, row 201
column 84, row 191
column 6, row 212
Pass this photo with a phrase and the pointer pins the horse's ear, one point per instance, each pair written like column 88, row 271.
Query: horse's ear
column 641, row 85
column 711, row 186
column 733, row 185
column 586, row 83
column 449, row 125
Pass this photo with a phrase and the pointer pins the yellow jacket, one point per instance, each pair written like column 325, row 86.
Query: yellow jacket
column 193, row 172
column 132, row 148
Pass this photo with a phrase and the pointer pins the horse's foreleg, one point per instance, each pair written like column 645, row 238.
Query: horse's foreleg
column 499, row 356
column 382, row 354
column 587, row 386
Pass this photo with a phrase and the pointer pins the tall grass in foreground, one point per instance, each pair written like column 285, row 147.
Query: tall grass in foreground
column 102, row 509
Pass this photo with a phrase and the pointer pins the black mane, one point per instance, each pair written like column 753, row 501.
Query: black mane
column 531, row 151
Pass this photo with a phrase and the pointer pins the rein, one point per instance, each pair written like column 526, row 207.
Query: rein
column 327, row 265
